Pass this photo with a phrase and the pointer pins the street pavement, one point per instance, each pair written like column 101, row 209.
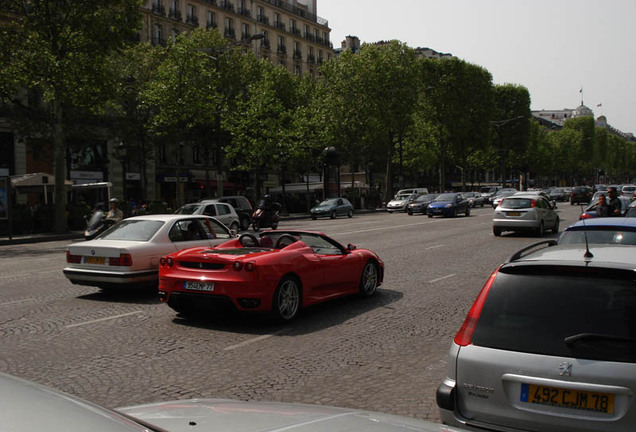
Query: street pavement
column 386, row 353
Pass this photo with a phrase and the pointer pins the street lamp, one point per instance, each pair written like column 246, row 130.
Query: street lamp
column 218, row 51
column 122, row 154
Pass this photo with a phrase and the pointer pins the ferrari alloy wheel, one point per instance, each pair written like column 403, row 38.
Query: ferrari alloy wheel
column 286, row 301
column 369, row 279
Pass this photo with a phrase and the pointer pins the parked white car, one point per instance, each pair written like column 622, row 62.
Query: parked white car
column 224, row 212
column 128, row 253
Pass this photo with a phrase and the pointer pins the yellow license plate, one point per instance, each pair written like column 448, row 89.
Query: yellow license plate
column 95, row 260
column 566, row 398
column 514, row 213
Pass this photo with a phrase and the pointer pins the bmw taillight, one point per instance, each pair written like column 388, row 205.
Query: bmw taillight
column 123, row 260
column 465, row 333
column 73, row 259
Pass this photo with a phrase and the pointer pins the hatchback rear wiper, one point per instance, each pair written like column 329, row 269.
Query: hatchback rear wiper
column 571, row 340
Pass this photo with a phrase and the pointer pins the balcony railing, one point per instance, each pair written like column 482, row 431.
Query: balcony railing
column 158, row 41
column 310, row 37
column 159, row 9
column 295, row 31
column 298, row 55
column 225, row 4
column 211, row 24
column 311, row 59
column 262, row 19
column 245, row 12
column 298, row 11
column 279, row 25
column 211, row 2
column 245, row 37
column 282, row 49
column 265, row 44
column 174, row 14
column 193, row 20
column 230, row 33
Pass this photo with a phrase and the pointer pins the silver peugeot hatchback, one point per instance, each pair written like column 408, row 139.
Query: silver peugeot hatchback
column 548, row 345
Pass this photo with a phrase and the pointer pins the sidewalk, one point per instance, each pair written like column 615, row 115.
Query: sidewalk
column 75, row 235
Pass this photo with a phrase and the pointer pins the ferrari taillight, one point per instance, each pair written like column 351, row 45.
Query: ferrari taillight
column 166, row 262
column 465, row 333
column 250, row 266
column 238, row 266
column 124, row 260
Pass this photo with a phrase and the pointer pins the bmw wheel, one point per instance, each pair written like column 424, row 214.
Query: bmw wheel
column 369, row 279
column 286, row 302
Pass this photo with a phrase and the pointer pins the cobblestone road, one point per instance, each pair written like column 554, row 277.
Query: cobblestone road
column 386, row 353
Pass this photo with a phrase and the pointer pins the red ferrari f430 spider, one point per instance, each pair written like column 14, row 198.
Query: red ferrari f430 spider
column 277, row 272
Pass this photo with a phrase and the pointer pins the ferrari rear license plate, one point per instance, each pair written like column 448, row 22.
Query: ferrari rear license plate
column 514, row 213
column 198, row 286
column 566, row 398
column 94, row 260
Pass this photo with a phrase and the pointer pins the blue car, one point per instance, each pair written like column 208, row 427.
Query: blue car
column 605, row 230
column 449, row 205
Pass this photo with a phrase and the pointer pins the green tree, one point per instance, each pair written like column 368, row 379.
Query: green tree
column 59, row 48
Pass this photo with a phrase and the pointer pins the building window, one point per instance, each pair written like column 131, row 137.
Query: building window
column 260, row 16
column 191, row 16
column 229, row 28
column 211, row 21
column 245, row 31
column 281, row 45
column 157, row 35
column 297, row 51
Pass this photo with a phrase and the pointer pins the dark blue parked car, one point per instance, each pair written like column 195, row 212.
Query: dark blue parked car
column 449, row 205
column 332, row 208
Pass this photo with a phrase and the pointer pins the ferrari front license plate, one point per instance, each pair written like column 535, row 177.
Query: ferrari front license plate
column 94, row 260
column 566, row 398
column 198, row 286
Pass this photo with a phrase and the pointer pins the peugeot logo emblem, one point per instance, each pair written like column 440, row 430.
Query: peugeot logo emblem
column 92, row 251
column 565, row 369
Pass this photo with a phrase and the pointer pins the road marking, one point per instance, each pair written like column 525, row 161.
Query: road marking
column 104, row 319
column 442, row 278
column 428, row 222
column 17, row 301
column 434, row 247
column 250, row 341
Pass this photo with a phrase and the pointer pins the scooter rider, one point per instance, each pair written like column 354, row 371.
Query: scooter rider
column 114, row 214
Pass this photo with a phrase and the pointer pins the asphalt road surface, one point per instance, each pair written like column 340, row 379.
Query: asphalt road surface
column 386, row 353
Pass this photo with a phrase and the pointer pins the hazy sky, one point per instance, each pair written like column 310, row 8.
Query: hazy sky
column 552, row 47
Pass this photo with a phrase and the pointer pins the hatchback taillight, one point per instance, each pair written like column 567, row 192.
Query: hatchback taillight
column 124, row 260
column 465, row 333
column 73, row 259
column 533, row 203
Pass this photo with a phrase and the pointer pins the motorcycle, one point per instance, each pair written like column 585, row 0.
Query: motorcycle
column 96, row 225
column 265, row 218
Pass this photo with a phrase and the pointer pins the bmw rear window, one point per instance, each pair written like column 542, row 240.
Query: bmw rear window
column 582, row 313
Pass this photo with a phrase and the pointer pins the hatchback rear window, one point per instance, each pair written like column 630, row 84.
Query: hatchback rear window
column 580, row 313
column 516, row 203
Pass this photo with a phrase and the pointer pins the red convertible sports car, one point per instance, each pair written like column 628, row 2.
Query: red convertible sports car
column 278, row 272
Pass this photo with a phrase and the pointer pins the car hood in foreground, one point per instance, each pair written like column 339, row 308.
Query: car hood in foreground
column 229, row 415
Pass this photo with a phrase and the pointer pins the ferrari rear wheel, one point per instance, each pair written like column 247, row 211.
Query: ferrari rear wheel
column 369, row 279
column 286, row 302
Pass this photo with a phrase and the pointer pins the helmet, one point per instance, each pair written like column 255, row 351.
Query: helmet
column 267, row 197
column 114, row 200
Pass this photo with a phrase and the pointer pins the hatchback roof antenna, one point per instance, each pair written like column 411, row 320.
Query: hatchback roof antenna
column 587, row 254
